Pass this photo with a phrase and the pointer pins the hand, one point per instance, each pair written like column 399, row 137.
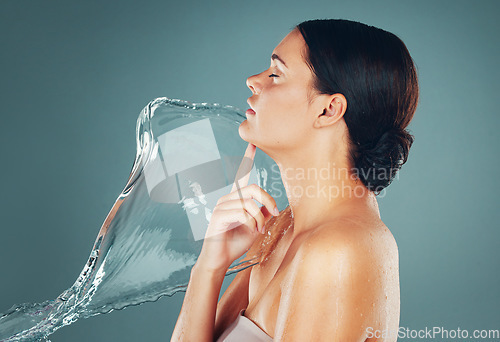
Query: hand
column 236, row 219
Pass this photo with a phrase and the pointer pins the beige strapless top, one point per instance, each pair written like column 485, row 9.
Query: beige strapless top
column 243, row 330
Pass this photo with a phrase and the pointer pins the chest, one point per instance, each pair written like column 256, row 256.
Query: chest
column 266, row 283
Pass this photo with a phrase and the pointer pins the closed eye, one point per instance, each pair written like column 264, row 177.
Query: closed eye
column 273, row 75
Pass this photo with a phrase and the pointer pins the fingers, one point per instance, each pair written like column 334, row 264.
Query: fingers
column 239, row 204
column 243, row 173
column 267, row 214
column 252, row 191
column 238, row 217
column 250, row 207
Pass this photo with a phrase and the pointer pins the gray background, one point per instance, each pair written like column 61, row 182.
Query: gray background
column 75, row 75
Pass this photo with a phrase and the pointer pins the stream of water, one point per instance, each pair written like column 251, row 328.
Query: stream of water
column 186, row 159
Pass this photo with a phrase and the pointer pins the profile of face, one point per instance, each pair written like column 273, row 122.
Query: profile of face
column 284, row 117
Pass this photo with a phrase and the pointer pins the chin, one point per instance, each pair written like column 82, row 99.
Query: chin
column 243, row 132
column 247, row 135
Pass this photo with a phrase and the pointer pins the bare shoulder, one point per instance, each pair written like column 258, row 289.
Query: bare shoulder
column 367, row 249
column 348, row 265
column 351, row 234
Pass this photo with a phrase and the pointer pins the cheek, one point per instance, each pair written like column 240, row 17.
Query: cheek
column 284, row 121
column 285, row 100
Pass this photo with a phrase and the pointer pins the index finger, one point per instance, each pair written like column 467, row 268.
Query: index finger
column 243, row 173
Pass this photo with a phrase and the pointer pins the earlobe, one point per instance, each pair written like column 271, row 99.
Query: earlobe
column 326, row 118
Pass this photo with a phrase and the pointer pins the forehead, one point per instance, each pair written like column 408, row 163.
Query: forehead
column 292, row 48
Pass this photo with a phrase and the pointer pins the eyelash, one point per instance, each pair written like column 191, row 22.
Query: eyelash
column 273, row 75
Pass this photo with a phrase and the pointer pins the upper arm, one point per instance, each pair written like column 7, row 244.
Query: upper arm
column 232, row 301
column 330, row 292
column 235, row 298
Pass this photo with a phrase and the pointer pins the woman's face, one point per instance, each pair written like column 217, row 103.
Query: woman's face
column 283, row 118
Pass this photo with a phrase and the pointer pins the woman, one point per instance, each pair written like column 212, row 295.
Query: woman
column 331, row 111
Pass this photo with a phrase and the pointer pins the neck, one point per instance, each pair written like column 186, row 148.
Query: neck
column 319, row 188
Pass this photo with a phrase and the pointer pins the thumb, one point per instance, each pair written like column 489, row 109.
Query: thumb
column 266, row 213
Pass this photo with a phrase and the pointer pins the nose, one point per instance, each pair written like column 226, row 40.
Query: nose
column 253, row 84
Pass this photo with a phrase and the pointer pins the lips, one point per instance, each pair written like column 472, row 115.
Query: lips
column 249, row 111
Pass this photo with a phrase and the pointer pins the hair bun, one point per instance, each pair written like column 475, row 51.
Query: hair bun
column 378, row 161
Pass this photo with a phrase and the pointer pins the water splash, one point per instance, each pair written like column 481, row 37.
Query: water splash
column 187, row 158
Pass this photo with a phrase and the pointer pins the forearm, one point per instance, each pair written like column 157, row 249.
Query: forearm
column 197, row 317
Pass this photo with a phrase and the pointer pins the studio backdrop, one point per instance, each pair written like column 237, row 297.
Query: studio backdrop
column 75, row 76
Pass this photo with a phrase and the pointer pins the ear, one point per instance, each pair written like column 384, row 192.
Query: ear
column 334, row 110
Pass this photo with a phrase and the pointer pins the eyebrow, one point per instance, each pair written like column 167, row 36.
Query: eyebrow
column 275, row 56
